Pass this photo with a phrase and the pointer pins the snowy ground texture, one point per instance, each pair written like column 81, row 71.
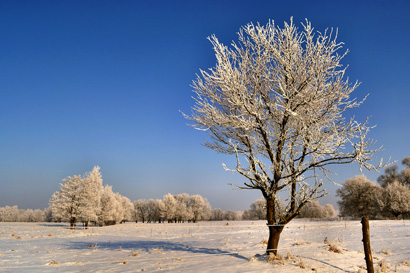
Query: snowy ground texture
column 201, row 247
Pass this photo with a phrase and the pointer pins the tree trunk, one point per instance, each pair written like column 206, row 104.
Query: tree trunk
column 72, row 222
column 274, row 228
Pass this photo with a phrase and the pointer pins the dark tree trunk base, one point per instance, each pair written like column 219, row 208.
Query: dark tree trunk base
column 274, row 237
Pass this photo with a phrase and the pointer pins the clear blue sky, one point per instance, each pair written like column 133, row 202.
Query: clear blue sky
column 86, row 83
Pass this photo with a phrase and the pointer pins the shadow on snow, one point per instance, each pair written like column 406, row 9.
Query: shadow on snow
column 152, row 246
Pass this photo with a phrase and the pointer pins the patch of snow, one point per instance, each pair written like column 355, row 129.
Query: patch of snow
column 200, row 247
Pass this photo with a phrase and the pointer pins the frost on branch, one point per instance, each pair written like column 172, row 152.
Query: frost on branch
column 276, row 99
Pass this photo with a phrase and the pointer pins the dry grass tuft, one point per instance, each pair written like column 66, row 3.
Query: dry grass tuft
column 272, row 257
column 276, row 259
column 124, row 262
column 407, row 263
column 301, row 263
column 179, row 259
column 383, row 267
column 386, row 252
column 52, row 262
column 333, row 246
column 301, row 243
column 91, row 245
column 15, row 236
column 134, row 254
column 290, row 256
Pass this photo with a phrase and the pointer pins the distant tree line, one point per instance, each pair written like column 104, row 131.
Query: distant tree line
column 173, row 209
column 257, row 210
column 14, row 214
column 84, row 199
column 360, row 197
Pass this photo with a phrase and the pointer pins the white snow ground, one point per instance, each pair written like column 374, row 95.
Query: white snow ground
column 200, row 247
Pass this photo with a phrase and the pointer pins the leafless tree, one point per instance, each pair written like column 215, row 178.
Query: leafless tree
column 276, row 99
column 392, row 174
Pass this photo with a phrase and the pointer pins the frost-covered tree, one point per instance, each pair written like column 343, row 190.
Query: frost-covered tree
column 155, row 210
column 256, row 211
column 127, row 208
column 91, row 190
column 66, row 203
column 359, row 197
column 170, row 205
column 200, row 207
column 396, row 199
column 276, row 99
column 231, row 215
column 314, row 210
column 330, row 211
column 183, row 210
column 108, row 207
column 9, row 214
column 392, row 174
column 141, row 212
column 217, row 215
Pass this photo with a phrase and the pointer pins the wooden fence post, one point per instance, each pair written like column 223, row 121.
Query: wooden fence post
column 366, row 244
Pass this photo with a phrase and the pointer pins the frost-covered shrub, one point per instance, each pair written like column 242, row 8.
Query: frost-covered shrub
column 314, row 210
column 359, row 197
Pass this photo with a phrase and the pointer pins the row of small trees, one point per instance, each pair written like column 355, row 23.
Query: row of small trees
column 257, row 210
column 14, row 214
column 173, row 208
column 361, row 197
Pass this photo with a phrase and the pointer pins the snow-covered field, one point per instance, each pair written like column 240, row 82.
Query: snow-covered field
column 200, row 247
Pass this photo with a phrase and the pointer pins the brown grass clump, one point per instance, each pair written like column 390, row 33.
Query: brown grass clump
column 134, row 254
column 386, row 252
column 15, row 236
column 277, row 259
column 124, row 262
column 289, row 256
column 91, row 245
column 301, row 263
column 333, row 246
column 52, row 262
column 406, row 263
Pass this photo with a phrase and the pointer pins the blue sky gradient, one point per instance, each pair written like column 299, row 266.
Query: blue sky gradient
column 86, row 83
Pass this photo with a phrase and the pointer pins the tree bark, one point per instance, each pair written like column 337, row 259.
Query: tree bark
column 274, row 229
